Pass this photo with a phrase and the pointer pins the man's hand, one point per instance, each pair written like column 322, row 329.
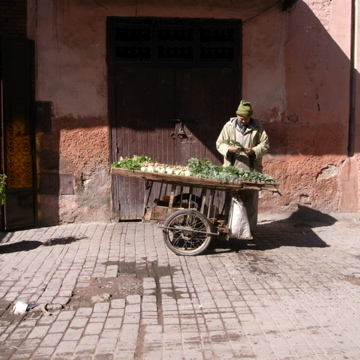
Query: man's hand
column 238, row 149
column 234, row 148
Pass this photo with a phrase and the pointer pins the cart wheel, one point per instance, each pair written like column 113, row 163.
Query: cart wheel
column 186, row 232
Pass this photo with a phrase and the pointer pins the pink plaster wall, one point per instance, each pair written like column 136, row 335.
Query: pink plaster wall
column 303, row 96
column 295, row 72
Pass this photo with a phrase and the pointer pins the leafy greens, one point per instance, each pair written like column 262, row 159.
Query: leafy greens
column 195, row 167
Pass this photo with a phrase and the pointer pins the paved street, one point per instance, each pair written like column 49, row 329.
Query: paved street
column 114, row 291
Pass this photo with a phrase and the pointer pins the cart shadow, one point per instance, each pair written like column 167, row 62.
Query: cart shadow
column 28, row 245
column 296, row 231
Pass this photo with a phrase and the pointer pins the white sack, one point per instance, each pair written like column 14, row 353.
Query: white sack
column 238, row 221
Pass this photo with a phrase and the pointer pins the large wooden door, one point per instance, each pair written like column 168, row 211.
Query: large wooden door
column 208, row 96
column 165, row 81
column 18, row 132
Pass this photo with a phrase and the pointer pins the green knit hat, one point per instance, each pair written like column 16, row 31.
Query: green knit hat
column 244, row 109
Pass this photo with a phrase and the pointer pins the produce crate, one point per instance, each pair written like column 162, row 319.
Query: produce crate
column 160, row 211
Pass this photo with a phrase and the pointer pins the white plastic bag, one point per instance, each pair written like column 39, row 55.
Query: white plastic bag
column 19, row 308
column 238, row 221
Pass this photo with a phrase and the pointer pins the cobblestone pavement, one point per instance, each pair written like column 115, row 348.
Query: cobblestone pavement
column 292, row 293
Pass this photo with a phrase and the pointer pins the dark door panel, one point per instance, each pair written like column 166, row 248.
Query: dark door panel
column 18, row 132
column 20, row 208
column 210, row 96
column 144, row 101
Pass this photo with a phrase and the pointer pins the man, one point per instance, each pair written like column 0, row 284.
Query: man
column 248, row 132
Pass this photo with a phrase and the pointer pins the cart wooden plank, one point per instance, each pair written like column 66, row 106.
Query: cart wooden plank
column 194, row 181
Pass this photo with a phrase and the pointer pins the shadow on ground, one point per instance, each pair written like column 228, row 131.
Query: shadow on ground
column 27, row 245
column 296, row 230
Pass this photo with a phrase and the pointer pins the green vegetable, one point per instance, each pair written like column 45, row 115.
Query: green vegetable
column 2, row 188
column 205, row 169
column 133, row 163
column 197, row 168
column 236, row 143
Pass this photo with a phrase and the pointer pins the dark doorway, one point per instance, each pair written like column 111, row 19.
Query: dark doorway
column 173, row 83
column 18, row 132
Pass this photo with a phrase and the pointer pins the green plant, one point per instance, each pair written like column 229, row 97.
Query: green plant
column 205, row 169
column 235, row 143
column 195, row 167
column 133, row 163
column 2, row 188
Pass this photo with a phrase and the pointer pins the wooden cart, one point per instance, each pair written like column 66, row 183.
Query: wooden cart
column 190, row 210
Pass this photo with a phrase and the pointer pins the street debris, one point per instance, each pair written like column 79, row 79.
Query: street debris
column 21, row 308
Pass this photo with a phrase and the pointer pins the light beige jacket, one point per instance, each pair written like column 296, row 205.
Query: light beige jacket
column 259, row 142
